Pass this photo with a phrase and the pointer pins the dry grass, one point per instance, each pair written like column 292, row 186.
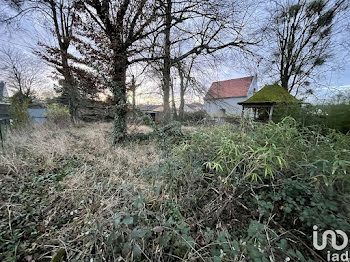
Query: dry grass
column 96, row 181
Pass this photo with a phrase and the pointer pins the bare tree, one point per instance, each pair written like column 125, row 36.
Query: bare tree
column 303, row 33
column 184, row 72
column 202, row 28
column 21, row 72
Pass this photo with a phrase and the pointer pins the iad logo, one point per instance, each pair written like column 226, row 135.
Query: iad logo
column 332, row 235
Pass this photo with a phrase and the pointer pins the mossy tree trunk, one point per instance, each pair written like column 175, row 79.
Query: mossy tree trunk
column 119, row 91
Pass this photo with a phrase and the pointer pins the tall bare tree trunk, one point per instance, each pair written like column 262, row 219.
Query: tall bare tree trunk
column 182, row 95
column 167, row 62
column 133, row 90
column 69, row 93
column 173, row 101
column 284, row 74
column 119, row 91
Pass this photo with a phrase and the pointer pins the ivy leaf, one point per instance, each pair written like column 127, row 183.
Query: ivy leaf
column 254, row 253
column 138, row 203
column 136, row 251
column 254, row 228
column 128, row 220
column 216, row 259
column 117, row 220
column 137, row 233
column 283, row 245
column 287, row 209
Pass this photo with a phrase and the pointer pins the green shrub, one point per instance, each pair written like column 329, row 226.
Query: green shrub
column 306, row 115
column 337, row 117
column 18, row 110
column 58, row 114
column 301, row 202
column 333, row 116
column 275, row 180
column 195, row 117
column 270, row 151
column 167, row 136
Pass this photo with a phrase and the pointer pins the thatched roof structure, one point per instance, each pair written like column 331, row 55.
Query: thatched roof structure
column 267, row 97
column 271, row 94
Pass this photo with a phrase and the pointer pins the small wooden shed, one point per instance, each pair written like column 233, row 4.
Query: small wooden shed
column 267, row 98
column 154, row 111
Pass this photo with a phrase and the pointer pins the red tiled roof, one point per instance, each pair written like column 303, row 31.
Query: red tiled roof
column 229, row 88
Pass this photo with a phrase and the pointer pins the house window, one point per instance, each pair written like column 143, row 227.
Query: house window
column 223, row 111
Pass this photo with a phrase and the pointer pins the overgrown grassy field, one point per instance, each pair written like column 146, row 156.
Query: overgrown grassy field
column 220, row 193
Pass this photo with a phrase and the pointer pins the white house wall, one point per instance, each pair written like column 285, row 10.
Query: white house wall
column 214, row 106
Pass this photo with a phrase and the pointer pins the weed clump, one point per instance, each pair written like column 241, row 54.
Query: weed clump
column 58, row 114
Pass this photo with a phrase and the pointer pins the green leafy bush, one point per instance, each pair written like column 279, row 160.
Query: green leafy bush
column 337, row 117
column 18, row 110
column 275, row 180
column 267, row 151
column 301, row 203
column 58, row 114
column 306, row 115
column 328, row 116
